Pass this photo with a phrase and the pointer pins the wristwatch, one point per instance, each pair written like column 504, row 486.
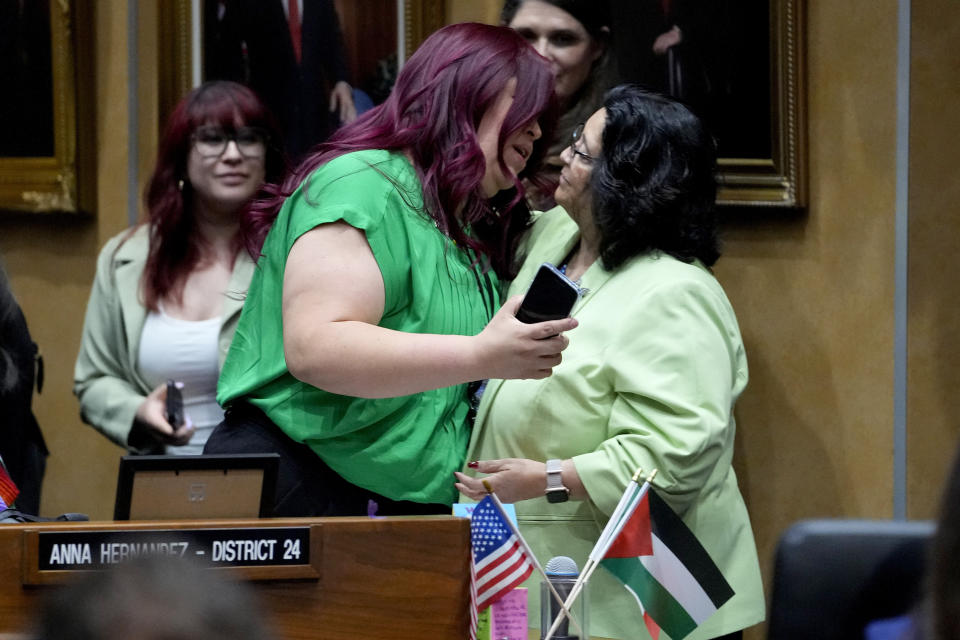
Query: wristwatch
column 556, row 492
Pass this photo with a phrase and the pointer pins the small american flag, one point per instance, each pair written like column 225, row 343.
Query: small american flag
column 501, row 563
column 8, row 490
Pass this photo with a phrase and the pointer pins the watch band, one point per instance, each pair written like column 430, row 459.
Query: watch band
column 556, row 492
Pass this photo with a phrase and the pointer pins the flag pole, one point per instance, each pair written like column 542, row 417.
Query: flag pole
column 609, row 542
column 614, row 526
column 614, row 518
column 617, row 514
column 530, row 554
column 619, row 524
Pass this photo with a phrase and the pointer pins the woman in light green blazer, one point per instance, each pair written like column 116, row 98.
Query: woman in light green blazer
column 651, row 374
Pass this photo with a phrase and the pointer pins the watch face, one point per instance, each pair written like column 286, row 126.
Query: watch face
column 558, row 495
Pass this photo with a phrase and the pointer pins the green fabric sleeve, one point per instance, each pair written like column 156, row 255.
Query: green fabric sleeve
column 108, row 401
column 673, row 389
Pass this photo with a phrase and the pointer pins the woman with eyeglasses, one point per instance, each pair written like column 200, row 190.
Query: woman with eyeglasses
column 168, row 292
column 651, row 375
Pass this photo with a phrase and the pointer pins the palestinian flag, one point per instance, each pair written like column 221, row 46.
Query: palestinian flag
column 665, row 567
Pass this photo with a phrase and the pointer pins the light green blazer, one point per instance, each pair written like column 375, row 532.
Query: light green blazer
column 105, row 377
column 649, row 380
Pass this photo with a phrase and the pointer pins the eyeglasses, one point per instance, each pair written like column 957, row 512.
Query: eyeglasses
column 577, row 135
column 211, row 142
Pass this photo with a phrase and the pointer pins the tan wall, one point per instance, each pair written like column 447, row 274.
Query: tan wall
column 814, row 293
column 473, row 11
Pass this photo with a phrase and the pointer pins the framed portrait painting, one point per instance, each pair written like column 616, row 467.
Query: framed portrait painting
column 38, row 113
column 740, row 65
column 377, row 36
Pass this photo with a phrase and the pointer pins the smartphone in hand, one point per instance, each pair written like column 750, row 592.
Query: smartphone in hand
column 174, row 412
column 551, row 296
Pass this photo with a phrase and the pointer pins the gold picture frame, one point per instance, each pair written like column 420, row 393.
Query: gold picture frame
column 48, row 181
column 778, row 180
column 420, row 19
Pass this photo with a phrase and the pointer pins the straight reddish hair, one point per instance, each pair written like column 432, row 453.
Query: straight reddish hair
column 433, row 113
column 175, row 247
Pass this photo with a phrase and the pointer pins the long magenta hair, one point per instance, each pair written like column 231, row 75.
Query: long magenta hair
column 433, row 113
column 175, row 247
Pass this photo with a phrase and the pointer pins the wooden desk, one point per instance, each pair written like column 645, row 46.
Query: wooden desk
column 398, row 578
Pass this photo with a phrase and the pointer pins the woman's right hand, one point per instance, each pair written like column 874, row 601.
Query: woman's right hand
column 509, row 349
column 151, row 420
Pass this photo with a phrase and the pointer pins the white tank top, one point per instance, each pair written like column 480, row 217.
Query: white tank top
column 188, row 351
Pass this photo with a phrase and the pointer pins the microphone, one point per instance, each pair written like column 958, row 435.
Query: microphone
column 562, row 573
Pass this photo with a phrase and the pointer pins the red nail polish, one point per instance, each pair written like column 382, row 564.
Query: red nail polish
column 473, row 464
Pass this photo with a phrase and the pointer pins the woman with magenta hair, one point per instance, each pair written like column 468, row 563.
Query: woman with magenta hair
column 168, row 292
column 375, row 302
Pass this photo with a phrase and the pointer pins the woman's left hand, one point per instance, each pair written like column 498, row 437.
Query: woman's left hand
column 512, row 479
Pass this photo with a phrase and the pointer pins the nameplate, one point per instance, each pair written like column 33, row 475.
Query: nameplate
column 240, row 547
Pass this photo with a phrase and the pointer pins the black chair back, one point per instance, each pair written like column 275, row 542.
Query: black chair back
column 832, row 577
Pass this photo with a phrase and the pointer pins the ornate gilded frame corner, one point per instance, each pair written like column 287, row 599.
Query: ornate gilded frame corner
column 780, row 180
column 175, row 55
column 420, row 19
column 50, row 183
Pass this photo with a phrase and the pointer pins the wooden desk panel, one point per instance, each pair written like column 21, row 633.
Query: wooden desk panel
column 392, row 578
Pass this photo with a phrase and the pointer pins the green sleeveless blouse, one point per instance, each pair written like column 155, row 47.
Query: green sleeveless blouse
column 404, row 448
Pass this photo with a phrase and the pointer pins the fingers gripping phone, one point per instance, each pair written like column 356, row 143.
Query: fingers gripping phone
column 551, row 296
column 174, row 405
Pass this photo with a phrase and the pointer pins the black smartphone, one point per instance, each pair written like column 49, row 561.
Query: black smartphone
column 174, row 405
column 551, row 296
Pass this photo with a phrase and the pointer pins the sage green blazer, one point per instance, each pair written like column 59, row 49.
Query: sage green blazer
column 105, row 378
column 649, row 381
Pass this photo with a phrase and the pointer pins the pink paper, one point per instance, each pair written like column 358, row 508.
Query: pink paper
column 508, row 616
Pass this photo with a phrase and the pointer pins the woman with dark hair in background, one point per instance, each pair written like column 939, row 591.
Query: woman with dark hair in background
column 167, row 294
column 574, row 35
column 651, row 376
column 22, row 449
column 375, row 302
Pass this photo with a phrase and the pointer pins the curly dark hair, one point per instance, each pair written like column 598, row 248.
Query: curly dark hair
column 654, row 183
